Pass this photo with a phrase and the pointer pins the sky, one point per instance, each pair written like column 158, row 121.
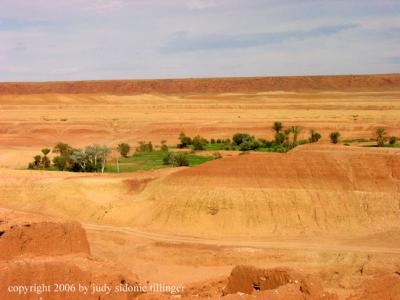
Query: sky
column 48, row 40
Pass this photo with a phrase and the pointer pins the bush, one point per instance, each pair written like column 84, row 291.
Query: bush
column 247, row 145
column 314, row 136
column 212, row 141
column 59, row 162
column 392, row 140
column 280, row 138
column 217, row 155
column 334, row 136
column 239, row 138
column 199, row 143
column 124, row 149
column 176, row 159
column 264, row 143
column 302, row 142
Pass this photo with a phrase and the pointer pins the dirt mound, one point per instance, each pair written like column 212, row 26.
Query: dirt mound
column 27, row 234
column 51, row 258
column 299, row 193
column 208, row 85
column 247, row 279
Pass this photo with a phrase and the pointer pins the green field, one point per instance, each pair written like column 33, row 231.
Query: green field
column 150, row 161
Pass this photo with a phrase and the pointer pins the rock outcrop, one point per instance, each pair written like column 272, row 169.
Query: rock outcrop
column 48, row 258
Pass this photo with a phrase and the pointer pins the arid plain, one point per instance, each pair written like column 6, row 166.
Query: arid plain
column 329, row 212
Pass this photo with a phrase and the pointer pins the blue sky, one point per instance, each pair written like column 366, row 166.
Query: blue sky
column 46, row 40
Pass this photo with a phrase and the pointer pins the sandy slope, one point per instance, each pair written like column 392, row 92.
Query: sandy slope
column 313, row 190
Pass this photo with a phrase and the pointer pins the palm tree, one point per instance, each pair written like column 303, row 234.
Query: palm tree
column 287, row 135
column 277, row 126
column 45, row 159
column 380, row 136
column 295, row 130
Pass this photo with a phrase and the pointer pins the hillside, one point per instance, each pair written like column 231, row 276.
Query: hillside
column 208, row 85
column 322, row 190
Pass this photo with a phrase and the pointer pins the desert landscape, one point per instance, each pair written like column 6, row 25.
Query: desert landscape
column 319, row 221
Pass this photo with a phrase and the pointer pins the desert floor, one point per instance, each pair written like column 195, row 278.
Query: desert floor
column 120, row 211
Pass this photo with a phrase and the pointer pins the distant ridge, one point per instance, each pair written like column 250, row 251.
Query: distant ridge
column 207, row 85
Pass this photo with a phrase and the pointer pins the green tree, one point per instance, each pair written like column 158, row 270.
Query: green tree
column 199, row 142
column 380, row 136
column 144, row 147
column 37, row 161
column 176, row 159
column 392, row 140
column 334, row 136
column 45, row 158
column 124, row 149
column 239, row 138
column 164, row 146
column 287, row 133
column 62, row 161
column 185, row 141
column 280, row 138
column 277, row 127
column 295, row 130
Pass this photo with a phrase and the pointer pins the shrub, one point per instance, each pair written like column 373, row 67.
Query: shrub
column 314, row 136
column 392, row 140
column 334, row 136
column 280, row 138
column 199, row 143
column 380, row 136
column 212, row 141
column 302, row 142
column 264, row 143
column 219, row 141
column 217, row 155
column 59, row 162
column 239, row 138
column 175, row 159
column 250, row 144
column 124, row 149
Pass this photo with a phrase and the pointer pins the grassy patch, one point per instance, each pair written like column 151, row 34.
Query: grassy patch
column 385, row 146
column 359, row 140
column 150, row 161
